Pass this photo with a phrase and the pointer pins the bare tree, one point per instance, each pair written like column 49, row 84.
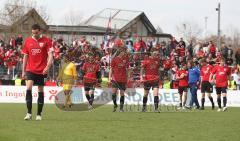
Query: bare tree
column 73, row 17
column 13, row 9
column 233, row 36
column 189, row 30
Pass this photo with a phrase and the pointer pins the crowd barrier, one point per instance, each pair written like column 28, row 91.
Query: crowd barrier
column 16, row 94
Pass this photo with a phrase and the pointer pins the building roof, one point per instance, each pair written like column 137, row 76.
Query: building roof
column 119, row 19
column 33, row 14
column 81, row 28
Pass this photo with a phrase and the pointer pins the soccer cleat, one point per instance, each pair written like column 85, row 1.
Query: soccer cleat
column 188, row 107
column 224, row 109
column 183, row 108
column 115, row 108
column 28, row 116
column 90, row 107
column 156, row 111
column 121, row 110
column 179, row 108
column 202, row 108
column 144, row 109
column 38, row 118
column 219, row 110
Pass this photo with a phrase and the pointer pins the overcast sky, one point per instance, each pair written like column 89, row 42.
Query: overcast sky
column 164, row 13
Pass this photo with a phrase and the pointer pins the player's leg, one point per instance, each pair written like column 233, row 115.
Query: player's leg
column 224, row 95
column 114, row 96
column 145, row 96
column 209, row 91
column 40, row 102
column 91, row 93
column 67, row 98
column 180, row 91
column 203, row 90
column 122, row 88
column 218, row 92
column 184, row 97
column 202, row 101
column 122, row 98
column 87, row 89
column 29, row 84
column 194, row 96
column 156, row 99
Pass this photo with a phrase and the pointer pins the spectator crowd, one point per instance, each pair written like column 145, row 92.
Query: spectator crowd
column 172, row 55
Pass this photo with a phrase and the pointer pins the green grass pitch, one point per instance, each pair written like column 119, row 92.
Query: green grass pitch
column 103, row 125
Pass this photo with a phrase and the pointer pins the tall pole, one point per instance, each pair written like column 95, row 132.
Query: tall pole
column 206, row 18
column 219, row 29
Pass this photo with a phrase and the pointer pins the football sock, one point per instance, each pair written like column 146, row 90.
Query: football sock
column 29, row 101
column 219, row 102
column 211, row 99
column 122, row 102
column 203, row 101
column 91, row 99
column 156, row 101
column 114, row 98
column 145, row 98
column 40, row 102
column 224, row 101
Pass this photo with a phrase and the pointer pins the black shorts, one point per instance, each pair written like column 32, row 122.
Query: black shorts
column 38, row 79
column 89, row 86
column 148, row 85
column 182, row 89
column 206, row 87
column 220, row 90
column 119, row 85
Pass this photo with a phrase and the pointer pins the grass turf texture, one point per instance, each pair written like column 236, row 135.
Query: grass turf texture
column 102, row 124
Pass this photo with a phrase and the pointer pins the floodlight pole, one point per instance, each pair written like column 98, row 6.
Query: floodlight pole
column 219, row 28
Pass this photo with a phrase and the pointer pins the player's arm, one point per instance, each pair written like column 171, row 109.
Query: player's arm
column 25, row 58
column 49, row 62
column 142, row 72
column 98, row 74
column 74, row 74
column 110, row 74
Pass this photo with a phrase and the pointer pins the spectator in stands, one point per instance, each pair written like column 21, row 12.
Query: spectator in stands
column 212, row 49
column 18, row 81
column 19, row 40
column 232, row 84
column 237, row 56
column 236, row 78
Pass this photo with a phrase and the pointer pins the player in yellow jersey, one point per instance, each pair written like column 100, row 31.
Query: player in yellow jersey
column 68, row 76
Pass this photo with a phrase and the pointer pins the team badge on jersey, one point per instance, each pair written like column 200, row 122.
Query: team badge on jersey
column 41, row 45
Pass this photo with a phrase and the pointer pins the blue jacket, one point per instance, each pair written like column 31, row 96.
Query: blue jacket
column 193, row 75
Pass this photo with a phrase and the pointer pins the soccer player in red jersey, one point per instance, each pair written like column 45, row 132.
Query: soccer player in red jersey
column 182, row 77
column 150, row 76
column 206, row 86
column 221, row 73
column 91, row 75
column 118, row 76
column 37, row 60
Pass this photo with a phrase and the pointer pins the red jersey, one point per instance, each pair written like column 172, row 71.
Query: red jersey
column 151, row 67
column 200, row 54
column 205, row 72
column 37, row 51
column 182, row 52
column 90, row 72
column 222, row 73
column 119, row 69
column 167, row 64
column 212, row 49
column 183, row 82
